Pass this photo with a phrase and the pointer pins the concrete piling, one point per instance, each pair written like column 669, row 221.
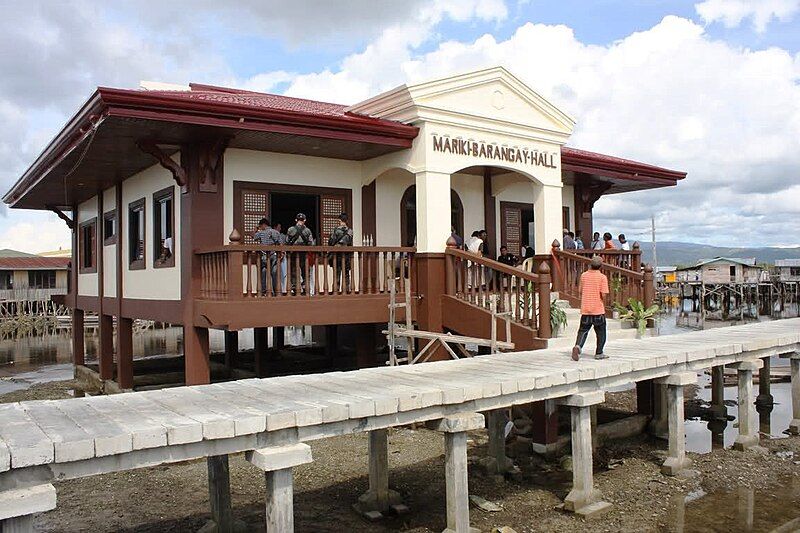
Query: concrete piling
column 748, row 423
column 277, row 463
column 379, row 498
column 584, row 498
column 794, row 426
column 676, row 460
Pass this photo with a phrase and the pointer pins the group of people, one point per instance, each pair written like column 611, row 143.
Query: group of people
column 574, row 241
column 298, row 235
column 478, row 245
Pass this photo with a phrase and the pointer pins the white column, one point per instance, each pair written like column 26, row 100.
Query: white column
column 379, row 498
column 433, row 211
column 583, row 499
column 794, row 426
column 277, row 463
column 17, row 507
column 676, row 457
column 455, row 455
column 547, row 217
column 748, row 423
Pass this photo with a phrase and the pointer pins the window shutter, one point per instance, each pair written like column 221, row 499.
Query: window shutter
column 254, row 208
column 511, row 228
column 93, row 238
column 331, row 206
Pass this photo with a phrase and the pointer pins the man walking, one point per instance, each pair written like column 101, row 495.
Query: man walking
column 593, row 287
column 341, row 236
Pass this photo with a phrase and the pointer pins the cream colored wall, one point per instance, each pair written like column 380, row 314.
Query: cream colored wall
column 568, row 200
column 389, row 189
column 110, row 251
column 150, row 283
column 270, row 167
column 87, row 283
column 470, row 188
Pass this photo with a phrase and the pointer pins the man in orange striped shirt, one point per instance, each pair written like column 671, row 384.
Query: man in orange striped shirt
column 593, row 287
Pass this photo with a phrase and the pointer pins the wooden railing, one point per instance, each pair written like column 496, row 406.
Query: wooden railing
column 525, row 296
column 624, row 283
column 628, row 259
column 30, row 294
column 239, row 271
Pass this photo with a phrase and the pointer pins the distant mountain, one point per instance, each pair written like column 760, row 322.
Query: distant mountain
column 687, row 253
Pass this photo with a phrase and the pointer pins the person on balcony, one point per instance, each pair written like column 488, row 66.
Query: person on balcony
column 593, row 287
column 579, row 240
column 623, row 243
column 507, row 258
column 300, row 235
column 608, row 242
column 475, row 243
column 596, row 243
column 569, row 240
column 268, row 236
column 342, row 235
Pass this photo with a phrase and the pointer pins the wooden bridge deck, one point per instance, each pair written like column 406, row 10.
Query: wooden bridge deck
column 43, row 441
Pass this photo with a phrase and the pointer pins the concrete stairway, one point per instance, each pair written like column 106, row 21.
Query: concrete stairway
column 566, row 338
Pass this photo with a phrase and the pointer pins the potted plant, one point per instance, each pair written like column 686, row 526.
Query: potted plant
column 637, row 314
column 558, row 319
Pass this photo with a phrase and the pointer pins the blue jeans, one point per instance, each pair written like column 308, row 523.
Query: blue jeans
column 599, row 323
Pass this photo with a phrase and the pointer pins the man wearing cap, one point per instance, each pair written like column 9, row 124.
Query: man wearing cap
column 593, row 287
column 300, row 235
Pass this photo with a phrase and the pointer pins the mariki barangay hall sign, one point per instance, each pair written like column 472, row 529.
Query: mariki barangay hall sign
column 483, row 149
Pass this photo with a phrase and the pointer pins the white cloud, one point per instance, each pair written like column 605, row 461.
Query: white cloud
column 669, row 95
column 733, row 12
column 36, row 232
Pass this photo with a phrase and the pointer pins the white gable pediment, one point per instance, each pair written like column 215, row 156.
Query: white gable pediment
column 492, row 99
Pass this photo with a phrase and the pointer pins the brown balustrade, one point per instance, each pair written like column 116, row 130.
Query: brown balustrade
column 624, row 283
column 269, row 272
column 519, row 293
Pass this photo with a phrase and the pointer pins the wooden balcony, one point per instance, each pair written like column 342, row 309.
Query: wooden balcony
column 244, row 286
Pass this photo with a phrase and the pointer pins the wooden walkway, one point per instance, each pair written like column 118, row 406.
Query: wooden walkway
column 46, row 441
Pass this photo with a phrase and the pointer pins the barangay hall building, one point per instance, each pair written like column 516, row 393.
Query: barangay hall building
column 162, row 187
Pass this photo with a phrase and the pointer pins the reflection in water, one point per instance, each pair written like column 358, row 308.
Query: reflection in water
column 744, row 509
column 720, row 431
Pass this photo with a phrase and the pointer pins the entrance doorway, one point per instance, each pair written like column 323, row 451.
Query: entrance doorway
column 517, row 230
column 408, row 216
column 285, row 206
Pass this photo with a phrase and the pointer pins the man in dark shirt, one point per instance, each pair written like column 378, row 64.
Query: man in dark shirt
column 507, row 258
column 269, row 260
column 300, row 235
column 341, row 236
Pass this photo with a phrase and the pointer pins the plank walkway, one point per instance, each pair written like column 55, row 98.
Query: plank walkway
column 62, row 439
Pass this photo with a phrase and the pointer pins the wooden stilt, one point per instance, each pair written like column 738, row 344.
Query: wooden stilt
column 125, row 353
column 105, row 354
column 78, row 343
column 219, row 493
column 231, row 348
column 195, row 350
column 260, row 341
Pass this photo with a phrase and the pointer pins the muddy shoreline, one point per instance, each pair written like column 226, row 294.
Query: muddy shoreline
column 174, row 497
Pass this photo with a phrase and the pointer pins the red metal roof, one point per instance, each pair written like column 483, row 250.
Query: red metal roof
column 585, row 158
column 34, row 263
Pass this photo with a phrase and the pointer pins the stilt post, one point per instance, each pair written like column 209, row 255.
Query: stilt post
column 219, row 493
column 277, row 464
column 748, row 424
column 676, row 457
column 455, row 429
column 78, row 343
column 125, row 353
column 584, row 498
column 379, row 498
column 794, row 426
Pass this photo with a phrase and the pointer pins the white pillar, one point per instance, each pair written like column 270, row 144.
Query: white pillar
column 583, row 499
column 794, row 426
column 17, row 507
column 433, row 211
column 748, row 423
column 676, row 457
column 455, row 429
column 547, row 216
column 379, row 498
column 277, row 463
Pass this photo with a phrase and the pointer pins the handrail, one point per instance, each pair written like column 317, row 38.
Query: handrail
column 491, row 263
column 295, row 248
column 521, row 295
column 587, row 260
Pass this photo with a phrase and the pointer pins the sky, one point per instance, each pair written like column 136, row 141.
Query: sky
column 710, row 87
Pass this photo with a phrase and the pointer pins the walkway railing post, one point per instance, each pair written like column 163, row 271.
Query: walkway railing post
column 235, row 279
column 557, row 281
column 277, row 464
column 748, row 424
column 544, row 301
column 649, row 289
column 636, row 257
